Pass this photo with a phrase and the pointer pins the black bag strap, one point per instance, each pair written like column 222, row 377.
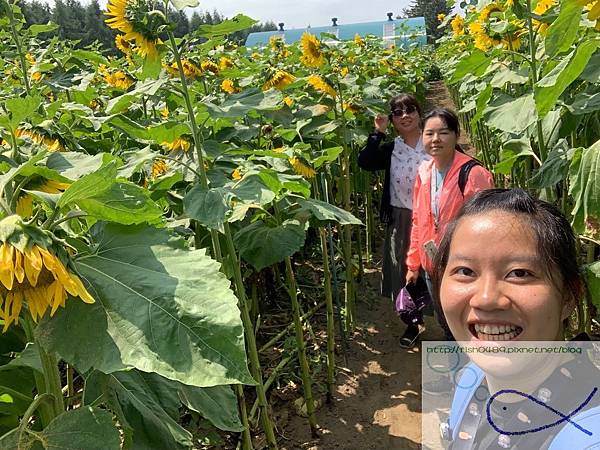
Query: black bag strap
column 463, row 175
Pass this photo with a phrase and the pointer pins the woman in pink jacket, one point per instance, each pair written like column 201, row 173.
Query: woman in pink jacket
column 437, row 195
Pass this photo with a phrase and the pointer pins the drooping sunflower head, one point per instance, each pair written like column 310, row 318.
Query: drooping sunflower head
column 358, row 40
column 229, row 86
column 209, row 66
column 159, row 167
column 33, row 273
column 301, row 168
column 279, row 80
column 41, row 137
column 179, row 143
column 138, row 22
column 122, row 44
column 321, row 85
column 24, row 205
column 458, row 25
column 312, row 53
column 487, row 10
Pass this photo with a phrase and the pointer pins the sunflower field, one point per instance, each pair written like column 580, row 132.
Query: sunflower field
column 149, row 203
column 153, row 205
column 526, row 76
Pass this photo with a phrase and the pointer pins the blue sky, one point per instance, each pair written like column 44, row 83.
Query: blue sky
column 299, row 14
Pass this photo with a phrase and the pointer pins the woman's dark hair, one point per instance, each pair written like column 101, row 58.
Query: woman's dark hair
column 405, row 100
column 555, row 239
column 448, row 116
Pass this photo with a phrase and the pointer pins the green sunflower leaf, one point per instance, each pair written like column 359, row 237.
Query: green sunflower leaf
column 83, row 428
column 263, row 246
column 159, row 308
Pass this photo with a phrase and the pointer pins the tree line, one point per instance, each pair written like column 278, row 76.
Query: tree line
column 85, row 25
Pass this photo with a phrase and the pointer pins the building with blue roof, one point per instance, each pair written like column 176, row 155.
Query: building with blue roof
column 400, row 32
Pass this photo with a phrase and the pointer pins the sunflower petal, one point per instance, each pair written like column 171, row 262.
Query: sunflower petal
column 57, row 296
column 82, row 291
column 6, row 265
column 19, row 272
column 33, row 265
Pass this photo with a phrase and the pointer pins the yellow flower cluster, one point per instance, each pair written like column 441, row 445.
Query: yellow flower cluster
column 289, row 101
column 24, row 206
column 178, row 144
column 321, row 85
column 209, row 66
column 482, row 40
column 593, row 10
column 228, row 85
column 158, row 168
column 458, row 25
column 279, row 80
column 190, row 70
column 312, row 55
column 36, row 276
column 53, row 144
column 358, row 40
column 541, row 8
column 302, row 169
column 225, row 63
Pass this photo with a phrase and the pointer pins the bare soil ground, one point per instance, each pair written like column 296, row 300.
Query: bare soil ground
column 378, row 400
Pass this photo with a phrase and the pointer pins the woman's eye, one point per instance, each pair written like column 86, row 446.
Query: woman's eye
column 464, row 271
column 519, row 273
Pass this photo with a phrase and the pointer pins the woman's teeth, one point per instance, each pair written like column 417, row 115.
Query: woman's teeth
column 496, row 332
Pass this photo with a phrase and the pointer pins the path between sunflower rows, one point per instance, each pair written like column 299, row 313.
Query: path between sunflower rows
column 378, row 400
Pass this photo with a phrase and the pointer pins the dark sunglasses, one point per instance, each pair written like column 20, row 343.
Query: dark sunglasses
column 408, row 109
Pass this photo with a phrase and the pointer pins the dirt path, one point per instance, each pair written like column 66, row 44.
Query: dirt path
column 378, row 400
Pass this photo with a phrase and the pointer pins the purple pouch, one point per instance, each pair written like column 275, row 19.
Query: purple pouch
column 404, row 302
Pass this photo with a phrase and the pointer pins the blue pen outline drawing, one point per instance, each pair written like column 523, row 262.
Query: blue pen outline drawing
column 564, row 418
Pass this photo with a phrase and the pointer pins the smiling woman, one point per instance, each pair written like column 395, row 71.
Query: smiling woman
column 506, row 276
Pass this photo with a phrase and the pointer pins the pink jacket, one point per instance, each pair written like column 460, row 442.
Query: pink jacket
column 451, row 200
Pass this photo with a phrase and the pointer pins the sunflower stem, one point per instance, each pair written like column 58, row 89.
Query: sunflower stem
column 347, row 235
column 534, row 80
column 15, row 36
column 214, row 235
column 250, row 340
column 330, row 318
column 38, row 401
column 47, row 411
column 301, row 345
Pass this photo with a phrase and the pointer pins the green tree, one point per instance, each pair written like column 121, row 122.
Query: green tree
column 429, row 9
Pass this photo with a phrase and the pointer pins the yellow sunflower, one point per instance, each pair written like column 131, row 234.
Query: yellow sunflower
column 131, row 18
column 279, row 80
column 158, row 168
column 302, row 169
column 178, row 144
column 358, row 40
column 441, row 17
column 593, row 10
column 321, row 85
column 228, row 85
column 209, row 66
column 458, row 25
column 190, row 70
column 487, row 10
column 236, row 174
column 122, row 44
column 51, row 143
column 312, row 55
column 24, row 206
column 31, row 273
column 225, row 63
column 289, row 101
column 117, row 79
